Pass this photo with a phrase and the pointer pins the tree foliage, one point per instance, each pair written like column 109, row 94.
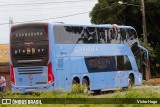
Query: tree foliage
column 130, row 13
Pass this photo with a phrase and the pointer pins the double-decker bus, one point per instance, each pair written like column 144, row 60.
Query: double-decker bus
column 47, row 56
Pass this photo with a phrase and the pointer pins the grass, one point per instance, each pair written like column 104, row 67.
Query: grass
column 76, row 93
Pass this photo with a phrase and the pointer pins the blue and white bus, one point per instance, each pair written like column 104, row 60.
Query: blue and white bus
column 47, row 56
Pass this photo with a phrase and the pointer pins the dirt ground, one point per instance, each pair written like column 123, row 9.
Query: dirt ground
column 154, row 80
column 4, row 53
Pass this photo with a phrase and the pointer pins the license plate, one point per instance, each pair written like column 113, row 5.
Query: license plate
column 31, row 89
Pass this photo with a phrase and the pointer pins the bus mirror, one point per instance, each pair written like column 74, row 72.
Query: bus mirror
column 145, row 55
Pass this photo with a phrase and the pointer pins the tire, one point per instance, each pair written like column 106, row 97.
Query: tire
column 130, row 81
column 85, row 85
column 75, row 88
column 74, row 82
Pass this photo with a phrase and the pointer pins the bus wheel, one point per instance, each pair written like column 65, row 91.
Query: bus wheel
column 74, row 82
column 76, row 86
column 130, row 81
column 85, row 85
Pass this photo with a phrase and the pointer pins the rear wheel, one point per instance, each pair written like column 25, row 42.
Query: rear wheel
column 74, row 82
column 75, row 86
column 85, row 85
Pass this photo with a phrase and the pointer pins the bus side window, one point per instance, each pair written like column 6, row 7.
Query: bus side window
column 58, row 35
column 123, row 63
column 127, row 63
column 101, row 35
column 145, row 55
column 120, row 63
column 77, row 35
column 67, row 35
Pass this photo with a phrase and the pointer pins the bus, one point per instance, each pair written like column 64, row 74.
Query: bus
column 50, row 56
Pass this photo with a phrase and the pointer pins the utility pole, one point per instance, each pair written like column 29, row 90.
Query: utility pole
column 10, row 22
column 147, row 69
column 145, row 41
column 144, row 22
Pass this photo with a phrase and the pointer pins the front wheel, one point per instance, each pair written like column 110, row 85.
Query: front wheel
column 130, row 81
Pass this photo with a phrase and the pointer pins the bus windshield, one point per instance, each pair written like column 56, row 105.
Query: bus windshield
column 29, row 45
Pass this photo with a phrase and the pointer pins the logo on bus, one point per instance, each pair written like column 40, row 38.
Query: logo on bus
column 28, row 51
column 30, row 77
column 26, row 34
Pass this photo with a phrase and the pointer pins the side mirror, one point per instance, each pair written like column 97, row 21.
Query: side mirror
column 145, row 55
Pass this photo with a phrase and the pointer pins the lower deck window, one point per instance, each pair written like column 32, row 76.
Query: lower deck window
column 108, row 63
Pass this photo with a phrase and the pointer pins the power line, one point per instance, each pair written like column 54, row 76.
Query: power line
column 48, row 18
column 42, row 8
column 55, row 17
column 42, row 3
column 45, row 13
column 114, row 16
column 61, row 16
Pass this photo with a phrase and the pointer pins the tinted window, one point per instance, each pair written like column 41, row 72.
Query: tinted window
column 88, row 35
column 108, row 63
column 63, row 35
column 100, row 64
column 57, row 35
column 74, row 35
column 128, row 36
column 93, row 35
column 101, row 35
column 123, row 63
column 77, row 35
column 29, row 45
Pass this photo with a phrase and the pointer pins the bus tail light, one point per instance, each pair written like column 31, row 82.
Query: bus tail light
column 50, row 74
column 12, row 75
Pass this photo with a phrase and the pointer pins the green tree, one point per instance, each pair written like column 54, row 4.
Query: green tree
column 110, row 12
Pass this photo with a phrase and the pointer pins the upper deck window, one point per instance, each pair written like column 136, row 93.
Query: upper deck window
column 92, row 35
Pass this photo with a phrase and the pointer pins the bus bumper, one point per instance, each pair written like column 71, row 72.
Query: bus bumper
column 31, row 89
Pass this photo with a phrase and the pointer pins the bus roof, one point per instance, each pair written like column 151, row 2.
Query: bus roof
column 93, row 25
column 79, row 25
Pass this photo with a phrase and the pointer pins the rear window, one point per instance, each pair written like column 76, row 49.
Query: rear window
column 29, row 45
column 29, row 32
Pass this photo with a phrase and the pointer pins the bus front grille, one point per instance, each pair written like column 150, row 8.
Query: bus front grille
column 30, row 70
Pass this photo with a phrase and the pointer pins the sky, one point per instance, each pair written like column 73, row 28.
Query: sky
column 22, row 11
